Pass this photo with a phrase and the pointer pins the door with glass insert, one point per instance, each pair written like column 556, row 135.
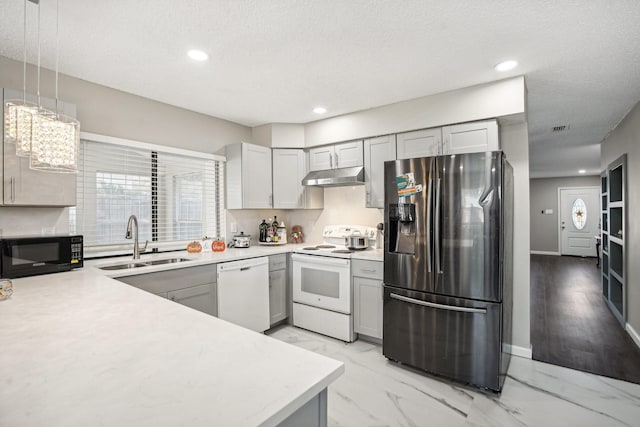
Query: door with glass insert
column 579, row 218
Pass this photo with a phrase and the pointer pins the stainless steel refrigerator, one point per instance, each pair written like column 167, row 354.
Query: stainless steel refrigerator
column 448, row 266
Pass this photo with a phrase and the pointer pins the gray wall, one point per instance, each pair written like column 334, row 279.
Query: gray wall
column 625, row 138
column 544, row 195
column 110, row 112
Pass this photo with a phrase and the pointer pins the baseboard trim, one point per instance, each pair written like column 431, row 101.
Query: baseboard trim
column 633, row 334
column 544, row 253
column 515, row 350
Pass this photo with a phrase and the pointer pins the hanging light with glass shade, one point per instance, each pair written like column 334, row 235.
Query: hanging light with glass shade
column 18, row 113
column 55, row 138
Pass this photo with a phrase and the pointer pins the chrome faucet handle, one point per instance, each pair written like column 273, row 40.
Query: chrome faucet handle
column 144, row 249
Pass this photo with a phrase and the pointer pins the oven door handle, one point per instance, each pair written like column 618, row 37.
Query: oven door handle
column 319, row 259
column 440, row 306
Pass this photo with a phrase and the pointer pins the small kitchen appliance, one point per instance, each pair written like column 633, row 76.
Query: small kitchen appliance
column 241, row 240
column 31, row 256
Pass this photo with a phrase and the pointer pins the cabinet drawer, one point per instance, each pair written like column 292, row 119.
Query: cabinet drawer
column 277, row 262
column 370, row 269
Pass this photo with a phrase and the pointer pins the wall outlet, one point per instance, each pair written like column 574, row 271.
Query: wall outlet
column 234, row 227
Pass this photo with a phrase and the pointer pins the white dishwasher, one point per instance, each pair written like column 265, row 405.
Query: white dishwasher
column 243, row 293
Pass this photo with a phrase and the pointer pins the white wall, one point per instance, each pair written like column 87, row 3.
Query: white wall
column 491, row 100
column 625, row 138
column 110, row 112
column 515, row 143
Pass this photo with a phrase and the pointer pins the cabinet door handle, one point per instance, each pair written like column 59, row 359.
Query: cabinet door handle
column 13, row 189
column 368, row 270
column 337, row 158
column 271, row 200
column 331, row 160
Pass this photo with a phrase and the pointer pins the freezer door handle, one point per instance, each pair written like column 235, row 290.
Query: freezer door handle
column 437, row 238
column 439, row 306
column 429, row 199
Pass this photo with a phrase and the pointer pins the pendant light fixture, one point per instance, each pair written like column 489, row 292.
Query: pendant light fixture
column 55, row 138
column 18, row 113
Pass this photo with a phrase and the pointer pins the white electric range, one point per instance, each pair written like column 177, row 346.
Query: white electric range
column 322, row 292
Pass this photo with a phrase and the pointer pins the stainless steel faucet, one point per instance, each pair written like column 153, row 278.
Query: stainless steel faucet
column 133, row 221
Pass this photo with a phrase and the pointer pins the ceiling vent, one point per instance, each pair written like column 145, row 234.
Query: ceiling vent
column 560, row 128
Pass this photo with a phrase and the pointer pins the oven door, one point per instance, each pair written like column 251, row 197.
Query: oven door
column 322, row 282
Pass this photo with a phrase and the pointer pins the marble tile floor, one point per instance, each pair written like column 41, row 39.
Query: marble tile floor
column 376, row 392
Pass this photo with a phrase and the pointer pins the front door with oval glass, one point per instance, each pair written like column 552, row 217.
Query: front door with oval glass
column 579, row 216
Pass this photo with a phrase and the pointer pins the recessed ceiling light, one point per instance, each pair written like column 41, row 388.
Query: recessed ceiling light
column 197, row 55
column 506, row 65
column 319, row 110
column 582, row 171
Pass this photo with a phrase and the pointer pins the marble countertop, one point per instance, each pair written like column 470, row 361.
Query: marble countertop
column 80, row 348
column 203, row 258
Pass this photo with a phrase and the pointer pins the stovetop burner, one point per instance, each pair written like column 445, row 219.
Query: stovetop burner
column 310, row 248
column 342, row 251
column 325, row 247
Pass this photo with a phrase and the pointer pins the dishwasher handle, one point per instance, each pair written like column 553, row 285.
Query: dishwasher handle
column 242, row 265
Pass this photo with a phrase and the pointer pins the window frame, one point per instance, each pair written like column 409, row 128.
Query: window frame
column 155, row 149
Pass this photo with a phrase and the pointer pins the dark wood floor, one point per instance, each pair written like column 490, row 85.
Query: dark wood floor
column 570, row 323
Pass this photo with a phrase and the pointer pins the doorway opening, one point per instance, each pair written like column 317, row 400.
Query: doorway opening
column 572, row 326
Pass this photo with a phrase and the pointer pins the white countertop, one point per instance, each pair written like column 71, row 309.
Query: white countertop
column 203, row 258
column 80, row 348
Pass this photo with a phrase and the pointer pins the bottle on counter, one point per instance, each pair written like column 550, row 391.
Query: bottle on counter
column 263, row 231
column 282, row 233
column 275, row 223
column 270, row 231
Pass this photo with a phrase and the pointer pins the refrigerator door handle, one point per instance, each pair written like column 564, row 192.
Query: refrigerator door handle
column 429, row 201
column 437, row 240
column 439, row 306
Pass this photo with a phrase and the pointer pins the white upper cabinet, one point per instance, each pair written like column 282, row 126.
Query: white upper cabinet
column 455, row 139
column 420, row 143
column 22, row 186
column 248, row 171
column 289, row 168
column 343, row 155
column 321, row 158
column 348, row 154
column 471, row 137
column 376, row 152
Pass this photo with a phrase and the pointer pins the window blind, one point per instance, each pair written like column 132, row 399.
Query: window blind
column 177, row 195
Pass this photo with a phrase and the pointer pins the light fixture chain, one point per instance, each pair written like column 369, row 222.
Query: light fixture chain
column 57, row 49
column 24, row 55
column 38, row 91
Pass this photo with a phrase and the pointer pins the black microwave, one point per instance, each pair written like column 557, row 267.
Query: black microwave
column 30, row 256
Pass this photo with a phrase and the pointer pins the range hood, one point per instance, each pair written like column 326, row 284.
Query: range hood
column 335, row 177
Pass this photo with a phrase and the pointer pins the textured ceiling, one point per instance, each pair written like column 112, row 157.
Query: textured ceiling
column 273, row 61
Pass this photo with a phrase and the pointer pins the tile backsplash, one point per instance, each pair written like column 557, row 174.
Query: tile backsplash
column 342, row 205
column 28, row 221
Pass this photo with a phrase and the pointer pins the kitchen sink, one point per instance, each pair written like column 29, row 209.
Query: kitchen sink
column 165, row 261
column 137, row 264
column 124, row 266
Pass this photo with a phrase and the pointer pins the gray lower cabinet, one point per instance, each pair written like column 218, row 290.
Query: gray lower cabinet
column 367, row 289
column 194, row 287
column 201, row 297
column 277, row 288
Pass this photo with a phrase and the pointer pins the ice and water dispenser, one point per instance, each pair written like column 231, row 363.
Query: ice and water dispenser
column 402, row 228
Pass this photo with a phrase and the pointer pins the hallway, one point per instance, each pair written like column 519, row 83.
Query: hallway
column 571, row 325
